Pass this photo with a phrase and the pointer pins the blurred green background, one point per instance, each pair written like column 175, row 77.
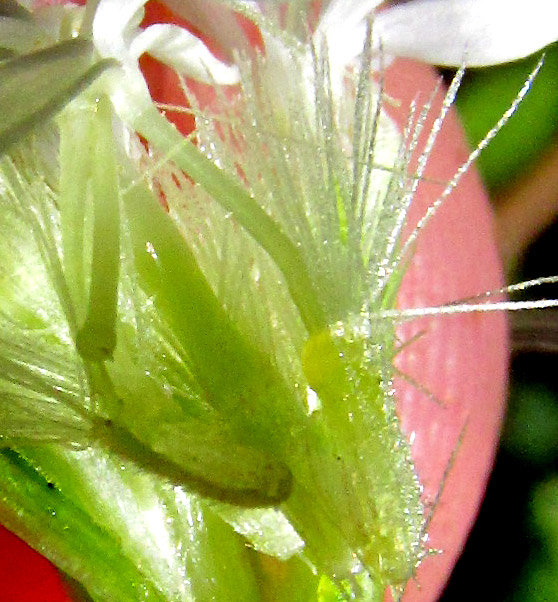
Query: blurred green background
column 512, row 554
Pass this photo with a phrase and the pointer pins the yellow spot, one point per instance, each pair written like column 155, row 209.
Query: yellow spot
column 322, row 362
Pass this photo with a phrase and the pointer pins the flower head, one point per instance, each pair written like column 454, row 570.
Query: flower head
column 222, row 367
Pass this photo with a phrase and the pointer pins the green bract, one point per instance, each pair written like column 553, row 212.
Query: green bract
column 194, row 375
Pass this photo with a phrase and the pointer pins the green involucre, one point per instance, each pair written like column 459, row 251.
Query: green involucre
column 223, row 350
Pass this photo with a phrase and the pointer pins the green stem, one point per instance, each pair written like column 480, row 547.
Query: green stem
column 76, row 146
column 96, row 339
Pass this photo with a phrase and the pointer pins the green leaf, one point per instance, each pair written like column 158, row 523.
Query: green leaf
column 224, row 362
column 35, row 86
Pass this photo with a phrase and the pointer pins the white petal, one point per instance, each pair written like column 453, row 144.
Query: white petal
column 470, row 32
column 115, row 22
column 184, row 52
column 216, row 21
column 343, row 28
column 346, row 14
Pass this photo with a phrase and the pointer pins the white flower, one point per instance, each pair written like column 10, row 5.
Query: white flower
column 444, row 32
column 117, row 35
